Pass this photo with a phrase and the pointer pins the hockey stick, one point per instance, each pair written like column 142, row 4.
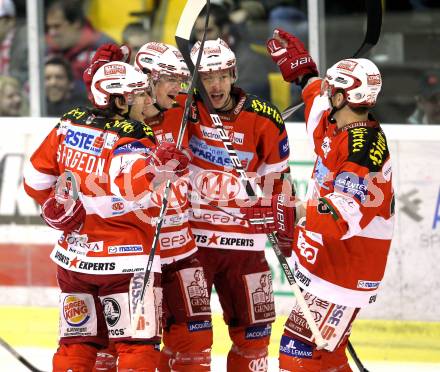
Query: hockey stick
column 372, row 34
column 183, row 32
column 19, row 357
column 320, row 342
column 355, row 358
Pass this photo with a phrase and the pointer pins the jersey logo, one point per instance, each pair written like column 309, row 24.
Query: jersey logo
column 84, row 139
column 367, row 147
column 267, row 110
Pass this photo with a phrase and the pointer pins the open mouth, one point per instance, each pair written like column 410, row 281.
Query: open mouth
column 172, row 96
column 216, row 97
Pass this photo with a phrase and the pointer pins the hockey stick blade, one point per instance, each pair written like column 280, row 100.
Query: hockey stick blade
column 186, row 22
column 374, row 26
column 19, row 357
column 372, row 34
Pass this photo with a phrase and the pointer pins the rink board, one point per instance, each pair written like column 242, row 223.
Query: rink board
column 373, row 339
column 407, row 291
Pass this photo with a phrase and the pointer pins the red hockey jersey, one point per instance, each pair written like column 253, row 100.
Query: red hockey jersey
column 113, row 238
column 176, row 240
column 341, row 254
column 258, row 134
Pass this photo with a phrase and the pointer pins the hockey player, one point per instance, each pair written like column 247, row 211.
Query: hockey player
column 340, row 249
column 104, row 248
column 233, row 257
column 187, row 335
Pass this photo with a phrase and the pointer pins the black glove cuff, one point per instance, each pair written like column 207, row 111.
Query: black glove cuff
column 306, row 78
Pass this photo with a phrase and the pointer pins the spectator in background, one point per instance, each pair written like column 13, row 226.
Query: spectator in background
column 11, row 101
column 58, row 84
column 134, row 36
column 71, row 36
column 428, row 101
column 253, row 68
column 13, row 43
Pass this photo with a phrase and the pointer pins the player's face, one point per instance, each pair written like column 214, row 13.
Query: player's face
column 140, row 102
column 218, row 86
column 167, row 88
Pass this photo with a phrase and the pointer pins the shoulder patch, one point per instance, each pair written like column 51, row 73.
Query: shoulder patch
column 130, row 128
column 78, row 114
column 266, row 109
column 367, row 147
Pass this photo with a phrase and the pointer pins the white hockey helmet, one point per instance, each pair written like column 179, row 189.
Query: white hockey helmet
column 117, row 79
column 216, row 56
column 161, row 59
column 358, row 78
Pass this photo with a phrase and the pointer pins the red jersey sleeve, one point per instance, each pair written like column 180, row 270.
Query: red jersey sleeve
column 42, row 172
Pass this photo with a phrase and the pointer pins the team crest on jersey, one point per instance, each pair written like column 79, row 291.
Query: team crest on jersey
column 325, row 147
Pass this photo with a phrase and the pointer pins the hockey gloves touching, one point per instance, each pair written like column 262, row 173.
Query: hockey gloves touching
column 277, row 217
column 62, row 210
column 169, row 162
column 104, row 54
column 292, row 58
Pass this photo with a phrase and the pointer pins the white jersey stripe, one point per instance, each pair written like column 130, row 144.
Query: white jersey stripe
column 329, row 291
column 38, row 180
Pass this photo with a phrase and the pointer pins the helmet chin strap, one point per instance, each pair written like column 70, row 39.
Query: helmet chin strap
column 335, row 109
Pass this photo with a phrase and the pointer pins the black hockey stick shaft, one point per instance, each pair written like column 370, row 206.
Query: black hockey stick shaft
column 183, row 32
column 19, row 357
column 355, row 358
column 372, row 34
column 236, row 163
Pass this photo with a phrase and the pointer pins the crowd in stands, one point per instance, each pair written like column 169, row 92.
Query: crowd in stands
column 71, row 39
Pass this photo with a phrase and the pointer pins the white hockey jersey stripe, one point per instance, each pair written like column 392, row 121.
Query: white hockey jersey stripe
column 229, row 240
column 265, row 168
column 320, row 105
column 218, row 217
column 38, row 180
column 110, row 206
column 329, row 291
column 102, row 265
column 379, row 228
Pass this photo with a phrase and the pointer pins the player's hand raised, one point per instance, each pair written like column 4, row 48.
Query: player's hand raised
column 291, row 56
